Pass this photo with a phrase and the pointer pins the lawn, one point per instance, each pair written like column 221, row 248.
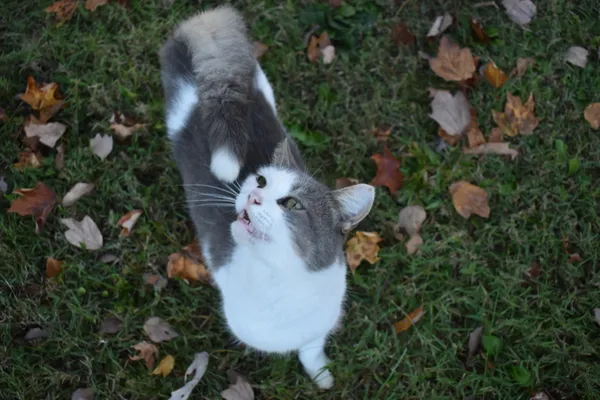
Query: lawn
column 540, row 333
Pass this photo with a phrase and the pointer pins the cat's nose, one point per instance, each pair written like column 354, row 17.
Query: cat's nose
column 254, row 198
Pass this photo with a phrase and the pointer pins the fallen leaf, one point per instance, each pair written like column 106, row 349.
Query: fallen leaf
column 128, row 220
column 180, row 266
column 341, row 183
column 156, row 281
column 474, row 135
column 387, row 171
column 477, row 30
column 165, row 366
column 494, row 75
column 474, row 343
column 240, row 390
column 450, row 139
column 83, row 394
column 84, row 233
column 577, row 56
column 517, row 117
column 36, row 333
column 411, row 218
column 534, row 270
column 592, row 115
column 410, row 319
column 101, row 145
column 122, row 126
column 37, row 202
column 520, row 11
column 78, row 191
column 53, row 267
column 493, row 148
column 59, row 161
column 93, row 4
column 110, row 325
column 47, row 133
column 363, row 246
column 469, row 199
column 452, row 113
column 193, row 251
column 40, row 97
column 453, row 63
column 312, row 51
column 597, row 315
column 108, row 258
column 320, row 47
column 159, row 330
column 48, row 112
column 63, row 9
column 540, row 396
column 328, row 54
column 260, row 49
column 3, row 185
column 198, row 368
column 440, row 24
column 495, row 136
column 413, row 244
column 147, row 352
column 382, row 132
column 401, row 35
column 522, row 65
column 28, row 159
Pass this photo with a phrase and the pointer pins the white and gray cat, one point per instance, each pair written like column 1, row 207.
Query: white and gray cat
column 271, row 234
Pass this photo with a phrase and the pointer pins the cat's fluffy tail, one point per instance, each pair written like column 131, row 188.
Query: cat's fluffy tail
column 209, row 66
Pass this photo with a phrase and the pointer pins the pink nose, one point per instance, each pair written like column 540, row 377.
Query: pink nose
column 254, row 198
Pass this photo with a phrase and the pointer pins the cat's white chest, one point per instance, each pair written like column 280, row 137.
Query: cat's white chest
column 279, row 309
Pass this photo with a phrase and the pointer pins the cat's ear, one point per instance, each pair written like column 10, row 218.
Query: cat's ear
column 355, row 203
column 283, row 155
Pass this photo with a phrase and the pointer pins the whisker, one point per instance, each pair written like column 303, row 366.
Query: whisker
column 228, row 190
column 214, row 195
column 212, row 205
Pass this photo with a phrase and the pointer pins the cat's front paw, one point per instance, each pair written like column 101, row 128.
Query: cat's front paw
column 324, row 380
column 225, row 165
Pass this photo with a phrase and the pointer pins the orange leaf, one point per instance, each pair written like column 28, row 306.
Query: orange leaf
column 53, row 267
column 40, row 97
column 183, row 267
column 410, row 319
column 194, row 251
column 363, row 246
column 469, row 199
column 37, row 202
column 592, row 115
column 453, row 63
column 494, row 75
column 312, row 52
column 401, row 35
column 165, row 366
column 93, row 4
column 63, row 9
column 478, row 31
column 128, row 220
column 387, row 171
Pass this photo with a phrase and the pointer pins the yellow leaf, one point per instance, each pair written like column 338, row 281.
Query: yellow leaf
column 165, row 366
column 494, row 75
column 184, row 267
column 469, row 199
column 410, row 319
column 363, row 246
column 40, row 97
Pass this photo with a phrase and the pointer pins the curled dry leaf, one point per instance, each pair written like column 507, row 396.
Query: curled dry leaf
column 577, row 56
column 341, row 183
column 111, row 325
column 159, row 330
column 477, row 30
column 91, row 5
column 410, row 319
column 29, row 159
column 522, row 65
column 413, row 244
column 494, row 75
column 165, row 366
column 40, row 97
column 37, row 202
column 147, row 352
column 157, row 281
column 520, row 11
column 517, row 117
column 240, row 390
column 198, row 368
column 363, row 246
column 453, row 63
column 469, row 199
column 47, row 133
column 123, row 126
column 451, row 112
column 440, row 25
column 83, row 394
column 181, row 266
column 411, row 218
column 474, row 343
column 493, row 148
column 63, row 9
column 101, row 145
column 84, row 233
column 401, row 35
column 260, row 49
column 592, row 115
column 53, row 267
column 128, row 220
column 78, row 191
column 387, row 171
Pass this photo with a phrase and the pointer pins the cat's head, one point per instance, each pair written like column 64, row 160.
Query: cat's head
column 281, row 208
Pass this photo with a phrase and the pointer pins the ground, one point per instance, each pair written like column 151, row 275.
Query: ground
column 469, row 273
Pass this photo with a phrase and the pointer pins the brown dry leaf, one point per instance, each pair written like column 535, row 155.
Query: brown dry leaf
column 165, row 366
column 63, row 9
column 47, row 133
column 410, row 219
column 534, row 270
column 123, row 126
column 260, row 49
column 101, row 145
column 474, row 135
column 452, row 113
column 37, row 202
column 410, row 319
column 469, row 199
column 592, row 115
column 93, row 4
column 382, row 132
column 53, row 267
column 111, row 326
column 494, row 75
column 363, row 246
column 40, row 97
column 453, row 63
column 517, row 117
column 157, row 281
column 440, row 24
column 520, row 11
column 198, row 368
column 413, row 244
column 147, row 352
column 493, row 148
column 240, row 390
column 320, row 47
column 84, row 233
column 477, row 30
column 193, row 250
column 159, row 330
column 495, row 136
column 577, row 56
column 341, row 183
column 387, row 171
column 128, row 220
column 29, row 159
column 401, row 35
column 573, row 258
column 83, row 394
column 450, row 139
column 59, row 161
column 49, row 112
column 312, row 51
column 180, row 266
column 474, row 343
column 78, row 191
column 522, row 65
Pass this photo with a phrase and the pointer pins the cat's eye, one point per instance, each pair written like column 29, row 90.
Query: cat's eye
column 291, row 203
column 261, row 180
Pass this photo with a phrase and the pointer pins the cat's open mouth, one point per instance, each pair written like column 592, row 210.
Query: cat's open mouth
column 244, row 219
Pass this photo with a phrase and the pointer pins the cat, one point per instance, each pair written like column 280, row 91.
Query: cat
column 271, row 234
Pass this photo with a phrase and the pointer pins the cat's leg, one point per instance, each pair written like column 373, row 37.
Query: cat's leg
column 313, row 358
column 262, row 83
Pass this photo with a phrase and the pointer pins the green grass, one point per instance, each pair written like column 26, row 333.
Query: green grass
column 468, row 274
